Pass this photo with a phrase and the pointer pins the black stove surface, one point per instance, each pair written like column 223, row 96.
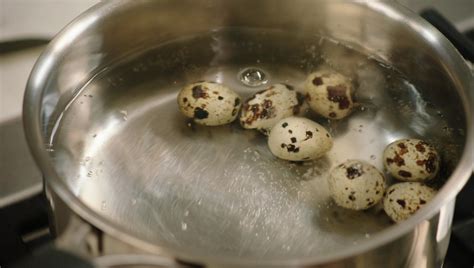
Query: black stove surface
column 461, row 246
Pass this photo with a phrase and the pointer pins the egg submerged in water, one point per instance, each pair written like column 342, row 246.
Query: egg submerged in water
column 356, row 185
column 299, row 139
column 264, row 109
column 404, row 199
column 209, row 103
column 329, row 94
column 411, row 160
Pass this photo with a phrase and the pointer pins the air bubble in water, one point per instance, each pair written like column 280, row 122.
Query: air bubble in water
column 124, row 115
column 253, row 77
column 184, row 226
column 49, row 147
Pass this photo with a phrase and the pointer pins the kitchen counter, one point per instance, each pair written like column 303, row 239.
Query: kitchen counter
column 19, row 176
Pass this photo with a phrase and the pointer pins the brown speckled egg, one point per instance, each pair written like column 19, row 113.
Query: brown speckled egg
column 403, row 199
column 299, row 139
column 411, row 160
column 329, row 94
column 267, row 107
column 209, row 103
column 356, row 185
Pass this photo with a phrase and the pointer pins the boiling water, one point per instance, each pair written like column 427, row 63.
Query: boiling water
column 128, row 153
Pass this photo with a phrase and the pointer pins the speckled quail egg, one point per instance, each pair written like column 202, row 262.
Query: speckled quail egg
column 356, row 185
column 411, row 160
column 209, row 103
column 404, row 199
column 299, row 139
column 329, row 94
column 267, row 107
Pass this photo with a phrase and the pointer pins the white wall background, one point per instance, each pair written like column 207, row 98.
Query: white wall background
column 38, row 18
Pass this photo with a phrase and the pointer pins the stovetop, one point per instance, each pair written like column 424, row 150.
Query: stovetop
column 29, row 25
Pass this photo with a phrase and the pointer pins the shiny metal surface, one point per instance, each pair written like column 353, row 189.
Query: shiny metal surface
column 123, row 158
column 424, row 246
column 127, row 151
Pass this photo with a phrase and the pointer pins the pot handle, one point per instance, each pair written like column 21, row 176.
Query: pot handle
column 50, row 257
column 61, row 252
column 70, row 249
column 461, row 42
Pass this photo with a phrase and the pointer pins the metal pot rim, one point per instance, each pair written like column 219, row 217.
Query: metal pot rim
column 32, row 124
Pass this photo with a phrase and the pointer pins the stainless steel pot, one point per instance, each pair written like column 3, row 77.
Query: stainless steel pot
column 107, row 204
